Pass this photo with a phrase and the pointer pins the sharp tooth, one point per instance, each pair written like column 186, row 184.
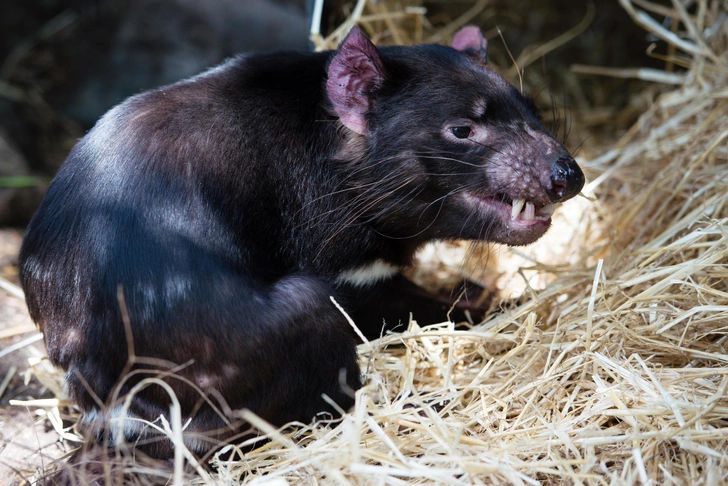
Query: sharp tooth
column 547, row 210
column 530, row 212
column 517, row 206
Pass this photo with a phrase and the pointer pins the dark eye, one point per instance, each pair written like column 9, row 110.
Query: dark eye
column 461, row 132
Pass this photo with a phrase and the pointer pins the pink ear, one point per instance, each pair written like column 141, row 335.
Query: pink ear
column 470, row 40
column 354, row 72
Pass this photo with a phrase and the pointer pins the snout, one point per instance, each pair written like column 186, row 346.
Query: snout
column 567, row 179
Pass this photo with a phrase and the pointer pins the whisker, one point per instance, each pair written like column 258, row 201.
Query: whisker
column 449, row 159
column 579, row 147
column 442, row 203
column 472, row 212
column 359, row 213
column 442, row 199
column 416, row 190
column 349, row 176
column 488, row 147
column 447, row 174
column 365, row 165
column 373, row 187
column 567, row 124
column 452, row 152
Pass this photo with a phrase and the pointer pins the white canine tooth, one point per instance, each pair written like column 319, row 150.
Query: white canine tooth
column 517, row 206
column 547, row 210
column 530, row 212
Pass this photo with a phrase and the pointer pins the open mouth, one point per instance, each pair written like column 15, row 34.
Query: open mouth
column 528, row 211
column 520, row 210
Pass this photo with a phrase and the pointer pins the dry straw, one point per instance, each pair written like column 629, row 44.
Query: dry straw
column 614, row 373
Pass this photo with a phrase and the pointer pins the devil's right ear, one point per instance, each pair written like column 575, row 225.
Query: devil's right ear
column 355, row 71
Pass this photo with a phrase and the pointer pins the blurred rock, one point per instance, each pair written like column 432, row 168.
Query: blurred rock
column 11, row 162
column 17, row 204
column 73, row 60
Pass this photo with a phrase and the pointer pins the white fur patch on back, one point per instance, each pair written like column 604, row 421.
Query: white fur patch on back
column 368, row 274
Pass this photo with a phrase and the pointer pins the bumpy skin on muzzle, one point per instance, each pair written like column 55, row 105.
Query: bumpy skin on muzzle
column 567, row 179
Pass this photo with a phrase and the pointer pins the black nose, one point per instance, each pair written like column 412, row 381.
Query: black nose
column 567, row 179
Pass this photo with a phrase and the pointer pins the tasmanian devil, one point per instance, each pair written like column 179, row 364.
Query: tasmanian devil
column 201, row 228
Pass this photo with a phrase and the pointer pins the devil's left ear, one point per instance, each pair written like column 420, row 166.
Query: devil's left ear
column 470, row 41
column 355, row 71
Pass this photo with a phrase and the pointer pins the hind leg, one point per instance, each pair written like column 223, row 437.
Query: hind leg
column 275, row 352
column 308, row 350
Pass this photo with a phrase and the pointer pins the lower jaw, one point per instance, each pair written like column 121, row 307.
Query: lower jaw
column 521, row 238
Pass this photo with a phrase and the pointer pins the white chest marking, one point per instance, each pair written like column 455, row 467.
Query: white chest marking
column 367, row 274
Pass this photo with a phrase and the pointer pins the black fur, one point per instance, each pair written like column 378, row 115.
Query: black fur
column 224, row 210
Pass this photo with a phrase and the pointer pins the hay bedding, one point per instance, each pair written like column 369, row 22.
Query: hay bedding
column 615, row 372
